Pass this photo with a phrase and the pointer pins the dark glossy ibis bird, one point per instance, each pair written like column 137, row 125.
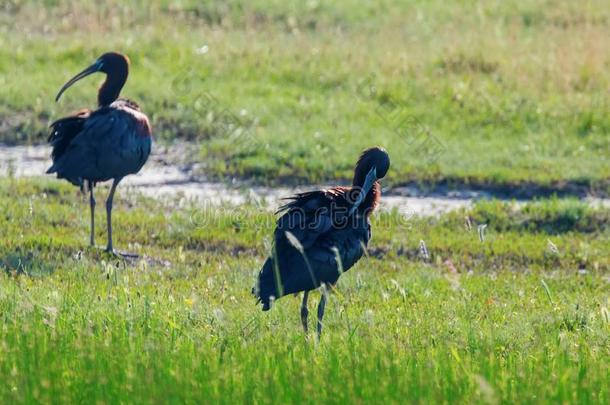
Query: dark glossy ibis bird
column 106, row 144
column 321, row 234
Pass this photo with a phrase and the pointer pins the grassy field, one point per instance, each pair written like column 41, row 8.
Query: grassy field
column 495, row 94
column 520, row 314
column 512, row 304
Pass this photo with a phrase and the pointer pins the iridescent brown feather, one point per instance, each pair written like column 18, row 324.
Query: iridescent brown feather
column 64, row 130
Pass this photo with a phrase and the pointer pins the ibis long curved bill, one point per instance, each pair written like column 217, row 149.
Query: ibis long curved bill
column 370, row 179
column 90, row 70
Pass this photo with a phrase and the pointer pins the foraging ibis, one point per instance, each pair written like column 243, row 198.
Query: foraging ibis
column 106, row 144
column 321, row 234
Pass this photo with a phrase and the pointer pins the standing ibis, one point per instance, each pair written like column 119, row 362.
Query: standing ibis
column 321, row 234
column 106, row 144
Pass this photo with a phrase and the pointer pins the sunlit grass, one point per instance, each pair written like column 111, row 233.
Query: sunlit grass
column 503, row 320
column 507, row 305
column 516, row 92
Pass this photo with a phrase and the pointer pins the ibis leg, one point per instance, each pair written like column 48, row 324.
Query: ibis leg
column 321, row 307
column 115, row 183
column 304, row 311
column 92, row 205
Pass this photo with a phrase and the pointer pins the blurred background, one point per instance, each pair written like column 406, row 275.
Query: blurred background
column 497, row 94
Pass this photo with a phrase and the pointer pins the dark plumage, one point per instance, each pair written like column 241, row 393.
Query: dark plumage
column 321, row 234
column 106, row 144
column 64, row 130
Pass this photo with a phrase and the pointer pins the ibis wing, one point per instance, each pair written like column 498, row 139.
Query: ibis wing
column 334, row 252
column 108, row 146
column 307, row 217
column 327, row 259
column 305, row 258
column 64, row 130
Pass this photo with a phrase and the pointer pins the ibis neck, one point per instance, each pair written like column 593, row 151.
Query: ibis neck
column 111, row 88
column 359, row 178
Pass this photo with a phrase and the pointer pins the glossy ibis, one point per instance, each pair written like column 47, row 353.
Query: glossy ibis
column 321, row 234
column 106, row 144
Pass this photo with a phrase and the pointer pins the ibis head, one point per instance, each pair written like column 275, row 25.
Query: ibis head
column 116, row 67
column 372, row 166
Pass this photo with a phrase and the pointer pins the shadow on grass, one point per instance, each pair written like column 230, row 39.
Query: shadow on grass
column 41, row 261
column 27, row 262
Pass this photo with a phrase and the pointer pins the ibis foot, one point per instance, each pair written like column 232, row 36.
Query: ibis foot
column 127, row 255
column 122, row 255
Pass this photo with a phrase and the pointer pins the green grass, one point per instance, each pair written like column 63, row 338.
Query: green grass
column 512, row 306
column 504, row 320
column 515, row 91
